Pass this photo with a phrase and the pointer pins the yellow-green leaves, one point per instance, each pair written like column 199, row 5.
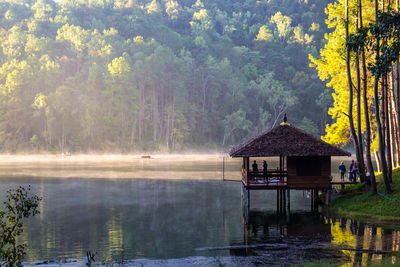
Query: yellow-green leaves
column 119, row 67
column 264, row 34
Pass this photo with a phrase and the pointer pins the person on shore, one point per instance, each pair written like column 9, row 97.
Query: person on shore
column 354, row 172
column 368, row 180
column 342, row 170
column 255, row 166
column 350, row 171
column 265, row 168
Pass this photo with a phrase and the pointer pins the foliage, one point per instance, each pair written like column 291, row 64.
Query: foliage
column 19, row 205
column 356, row 204
column 330, row 65
column 386, row 28
column 124, row 75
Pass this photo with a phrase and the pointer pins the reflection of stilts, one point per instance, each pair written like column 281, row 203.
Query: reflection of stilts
column 314, row 199
column 283, row 202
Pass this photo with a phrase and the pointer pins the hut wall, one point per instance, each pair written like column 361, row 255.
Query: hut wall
column 308, row 172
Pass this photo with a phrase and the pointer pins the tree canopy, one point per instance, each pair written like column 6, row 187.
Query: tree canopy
column 126, row 75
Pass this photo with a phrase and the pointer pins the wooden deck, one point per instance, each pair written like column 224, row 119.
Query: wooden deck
column 275, row 180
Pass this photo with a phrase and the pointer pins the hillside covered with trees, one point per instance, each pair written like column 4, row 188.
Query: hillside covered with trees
column 126, row 75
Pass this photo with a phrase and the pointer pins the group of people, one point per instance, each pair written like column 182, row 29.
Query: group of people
column 353, row 171
column 255, row 166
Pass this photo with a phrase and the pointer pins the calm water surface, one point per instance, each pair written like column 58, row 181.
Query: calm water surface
column 195, row 222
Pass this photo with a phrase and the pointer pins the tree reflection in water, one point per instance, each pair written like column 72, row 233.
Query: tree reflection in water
column 311, row 237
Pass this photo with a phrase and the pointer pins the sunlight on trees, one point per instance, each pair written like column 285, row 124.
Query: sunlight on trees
column 133, row 75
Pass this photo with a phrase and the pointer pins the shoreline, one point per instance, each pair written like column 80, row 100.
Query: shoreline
column 364, row 206
column 119, row 166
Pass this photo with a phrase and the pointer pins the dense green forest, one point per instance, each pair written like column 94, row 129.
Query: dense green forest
column 128, row 75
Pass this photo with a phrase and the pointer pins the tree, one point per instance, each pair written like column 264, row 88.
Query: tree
column 270, row 95
column 19, row 205
column 283, row 25
column 235, row 126
column 264, row 34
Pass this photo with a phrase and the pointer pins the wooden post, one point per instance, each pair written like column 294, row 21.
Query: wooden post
column 312, row 199
column 283, row 200
column 315, row 199
column 280, row 168
column 288, row 202
column 277, row 201
column 248, row 198
column 245, row 204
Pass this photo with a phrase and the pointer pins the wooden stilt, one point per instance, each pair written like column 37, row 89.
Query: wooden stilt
column 287, row 202
column 284, row 201
column 328, row 195
column 245, row 205
column 315, row 199
column 248, row 199
column 312, row 199
column 277, row 201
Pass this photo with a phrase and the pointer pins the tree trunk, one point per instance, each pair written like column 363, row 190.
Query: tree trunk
column 377, row 113
column 378, row 161
column 366, row 111
column 398, row 99
column 394, row 112
column 361, row 164
column 155, row 115
column 350, row 85
column 392, row 118
column 141, row 112
column 388, row 129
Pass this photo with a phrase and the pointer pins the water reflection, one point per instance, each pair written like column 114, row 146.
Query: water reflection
column 311, row 237
column 164, row 219
column 367, row 243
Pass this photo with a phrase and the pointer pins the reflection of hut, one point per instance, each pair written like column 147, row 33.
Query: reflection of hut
column 304, row 160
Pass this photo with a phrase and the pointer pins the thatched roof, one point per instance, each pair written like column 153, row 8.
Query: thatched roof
column 286, row 140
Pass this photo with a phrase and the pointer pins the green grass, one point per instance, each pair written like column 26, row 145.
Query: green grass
column 357, row 203
column 384, row 263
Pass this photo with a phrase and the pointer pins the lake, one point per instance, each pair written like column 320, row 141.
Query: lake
column 176, row 211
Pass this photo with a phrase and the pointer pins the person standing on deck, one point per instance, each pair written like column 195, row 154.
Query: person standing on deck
column 342, row 170
column 265, row 168
column 255, row 166
column 354, row 170
column 350, row 171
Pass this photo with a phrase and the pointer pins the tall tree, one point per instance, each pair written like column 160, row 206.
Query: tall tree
column 366, row 108
column 350, row 86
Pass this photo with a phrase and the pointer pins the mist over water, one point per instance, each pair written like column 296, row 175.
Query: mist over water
column 193, row 220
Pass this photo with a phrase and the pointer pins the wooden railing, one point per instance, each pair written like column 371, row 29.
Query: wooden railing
column 271, row 176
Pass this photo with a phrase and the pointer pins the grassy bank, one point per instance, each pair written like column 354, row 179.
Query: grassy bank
column 357, row 203
column 383, row 263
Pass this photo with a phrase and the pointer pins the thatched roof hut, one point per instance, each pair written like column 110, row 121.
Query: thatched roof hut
column 286, row 140
column 304, row 160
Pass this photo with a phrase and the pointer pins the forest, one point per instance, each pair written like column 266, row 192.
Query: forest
column 135, row 75
column 360, row 62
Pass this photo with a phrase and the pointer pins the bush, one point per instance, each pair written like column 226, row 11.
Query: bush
column 18, row 205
